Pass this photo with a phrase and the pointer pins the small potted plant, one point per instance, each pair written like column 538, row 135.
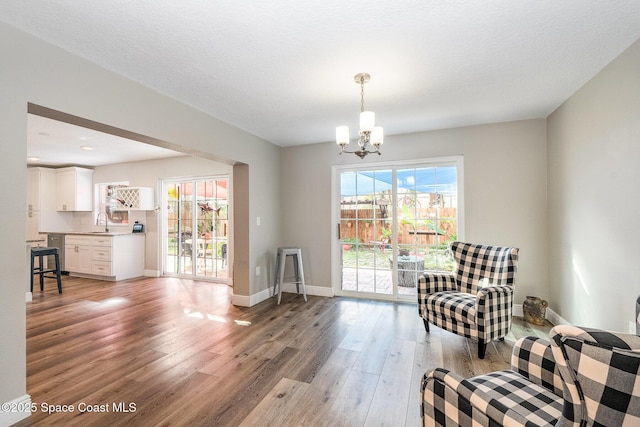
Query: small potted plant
column 386, row 233
column 346, row 243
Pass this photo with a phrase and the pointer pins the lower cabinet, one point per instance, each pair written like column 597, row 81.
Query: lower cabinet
column 77, row 256
column 112, row 257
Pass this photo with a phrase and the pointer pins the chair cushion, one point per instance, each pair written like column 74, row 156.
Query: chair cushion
column 457, row 305
column 535, row 403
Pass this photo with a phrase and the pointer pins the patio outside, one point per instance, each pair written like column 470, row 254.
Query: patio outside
column 406, row 233
column 370, row 270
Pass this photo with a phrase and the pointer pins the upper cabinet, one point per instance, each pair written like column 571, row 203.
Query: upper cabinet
column 42, row 215
column 33, row 188
column 74, row 189
column 135, row 198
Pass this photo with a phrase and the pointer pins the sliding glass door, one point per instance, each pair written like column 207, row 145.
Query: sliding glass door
column 395, row 222
column 196, row 224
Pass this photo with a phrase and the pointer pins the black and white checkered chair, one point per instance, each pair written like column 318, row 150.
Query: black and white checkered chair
column 583, row 377
column 476, row 300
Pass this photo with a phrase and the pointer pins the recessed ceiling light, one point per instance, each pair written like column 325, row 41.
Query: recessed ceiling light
column 83, row 138
column 33, row 159
column 86, row 148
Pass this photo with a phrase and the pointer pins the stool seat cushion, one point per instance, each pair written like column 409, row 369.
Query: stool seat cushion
column 44, row 251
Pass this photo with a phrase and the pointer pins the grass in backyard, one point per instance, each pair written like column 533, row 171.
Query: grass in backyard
column 363, row 256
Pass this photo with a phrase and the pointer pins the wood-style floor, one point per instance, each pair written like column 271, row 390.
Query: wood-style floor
column 175, row 352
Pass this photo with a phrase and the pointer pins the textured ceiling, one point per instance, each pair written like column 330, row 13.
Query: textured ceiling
column 283, row 69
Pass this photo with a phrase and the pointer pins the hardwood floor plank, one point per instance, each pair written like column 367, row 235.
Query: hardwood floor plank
column 363, row 326
column 184, row 356
column 226, row 364
column 428, row 356
column 375, row 351
column 352, row 404
column 456, row 355
column 286, row 397
column 163, row 405
column 233, row 398
column 389, row 404
column 323, row 390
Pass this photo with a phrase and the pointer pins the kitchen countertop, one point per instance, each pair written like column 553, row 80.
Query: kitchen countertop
column 97, row 233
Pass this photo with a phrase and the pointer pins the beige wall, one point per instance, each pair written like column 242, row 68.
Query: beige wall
column 593, row 161
column 33, row 71
column 504, row 186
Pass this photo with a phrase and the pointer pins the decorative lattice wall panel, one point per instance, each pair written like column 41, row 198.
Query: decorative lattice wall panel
column 135, row 198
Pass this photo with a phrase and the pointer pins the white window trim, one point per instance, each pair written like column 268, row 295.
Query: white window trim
column 335, row 196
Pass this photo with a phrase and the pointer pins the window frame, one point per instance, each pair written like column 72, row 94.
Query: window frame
column 457, row 161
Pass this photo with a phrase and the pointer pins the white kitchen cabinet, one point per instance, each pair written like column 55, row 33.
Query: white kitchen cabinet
column 77, row 256
column 74, row 189
column 135, row 198
column 33, row 188
column 33, row 226
column 112, row 257
column 42, row 215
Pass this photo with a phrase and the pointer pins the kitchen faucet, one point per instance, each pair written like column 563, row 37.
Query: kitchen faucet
column 106, row 221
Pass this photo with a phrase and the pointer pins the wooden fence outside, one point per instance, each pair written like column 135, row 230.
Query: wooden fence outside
column 360, row 224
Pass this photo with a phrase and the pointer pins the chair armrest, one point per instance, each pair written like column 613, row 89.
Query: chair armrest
column 533, row 358
column 441, row 388
column 430, row 283
column 494, row 290
column 494, row 310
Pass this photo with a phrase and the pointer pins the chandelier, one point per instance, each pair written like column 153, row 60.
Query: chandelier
column 369, row 132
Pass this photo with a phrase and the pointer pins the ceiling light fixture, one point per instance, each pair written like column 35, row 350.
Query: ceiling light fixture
column 86, row 148
column 369, row 132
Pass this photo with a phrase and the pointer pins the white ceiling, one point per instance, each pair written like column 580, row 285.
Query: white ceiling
column 283, row 69
column 55, row 143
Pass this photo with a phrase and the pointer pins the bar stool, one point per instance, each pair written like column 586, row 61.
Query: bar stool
column 42, row 254
column 278, row 279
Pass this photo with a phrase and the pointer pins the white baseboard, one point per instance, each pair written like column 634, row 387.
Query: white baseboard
column 250, row 301
column 555, row 318
column 550, row 315
column 29, row 296
column 19, row 409
column 151, row 273
column 241, row 300
column 517, row 310
column 320, row 291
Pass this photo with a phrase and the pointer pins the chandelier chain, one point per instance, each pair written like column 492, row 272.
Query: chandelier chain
column 361, row 94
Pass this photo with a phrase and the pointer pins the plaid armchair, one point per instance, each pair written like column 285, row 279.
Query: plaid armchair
column 476, row 300
column 583, row 377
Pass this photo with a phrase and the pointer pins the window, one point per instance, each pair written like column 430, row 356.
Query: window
column 395, row 220
column 106, row 200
